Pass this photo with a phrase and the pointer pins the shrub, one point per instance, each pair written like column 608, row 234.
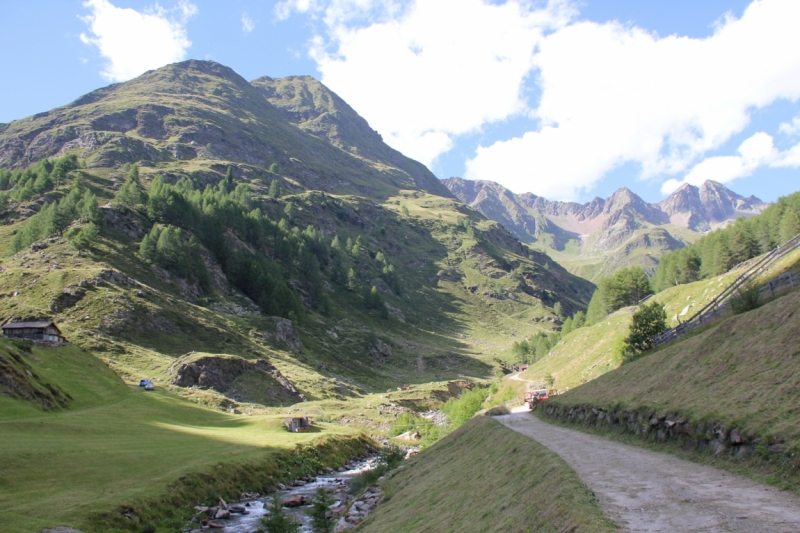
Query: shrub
column 648, row 321
column 322, row 521
column 745, row 299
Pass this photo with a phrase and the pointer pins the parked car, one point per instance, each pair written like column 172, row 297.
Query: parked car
column 143, row 382
column 149, row 386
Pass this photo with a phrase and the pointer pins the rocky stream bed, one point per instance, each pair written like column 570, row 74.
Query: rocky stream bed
column 245, row 516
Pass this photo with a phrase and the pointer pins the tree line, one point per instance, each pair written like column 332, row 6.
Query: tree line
column 719, row 251
column 257, row 253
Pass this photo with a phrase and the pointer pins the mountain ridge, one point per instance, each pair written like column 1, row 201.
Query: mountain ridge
column 597, row 237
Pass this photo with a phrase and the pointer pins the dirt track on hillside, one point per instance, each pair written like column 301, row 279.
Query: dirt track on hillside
column 646, row 491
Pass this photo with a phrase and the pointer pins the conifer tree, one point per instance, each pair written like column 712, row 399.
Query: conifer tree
column 790, row 225
column 275, row 189
column 130, row 194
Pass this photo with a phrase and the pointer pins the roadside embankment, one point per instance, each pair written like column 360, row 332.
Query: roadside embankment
column 484, row 478
column 729, row 392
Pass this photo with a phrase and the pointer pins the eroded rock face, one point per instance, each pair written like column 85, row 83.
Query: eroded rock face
column 68, row 298
column 125, row 221
column 219, row 373
column 381, row 350
column 285, row 332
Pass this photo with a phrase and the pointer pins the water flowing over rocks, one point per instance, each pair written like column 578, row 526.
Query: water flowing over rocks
column 244, row 517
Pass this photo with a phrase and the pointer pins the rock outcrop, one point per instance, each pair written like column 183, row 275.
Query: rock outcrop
column 219, row 372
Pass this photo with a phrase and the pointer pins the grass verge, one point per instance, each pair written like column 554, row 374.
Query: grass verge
column 484, row 478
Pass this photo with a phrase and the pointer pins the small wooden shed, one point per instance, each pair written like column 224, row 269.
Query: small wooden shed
column 42, row 331
column 297, row 424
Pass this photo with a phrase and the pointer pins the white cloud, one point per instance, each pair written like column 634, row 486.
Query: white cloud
column 424, row 72
column 248, row 24
column 135, row 42
column 754, row 152
column 790, row 128
column 614, row 94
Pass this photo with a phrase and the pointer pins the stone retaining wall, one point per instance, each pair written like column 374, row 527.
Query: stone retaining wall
column 716, row 437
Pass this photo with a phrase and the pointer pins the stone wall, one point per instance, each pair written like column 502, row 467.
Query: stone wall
column 717, row 437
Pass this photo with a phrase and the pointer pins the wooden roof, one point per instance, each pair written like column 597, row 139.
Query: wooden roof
column 30, row 325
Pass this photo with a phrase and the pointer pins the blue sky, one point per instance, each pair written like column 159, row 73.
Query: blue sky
column 565, row 99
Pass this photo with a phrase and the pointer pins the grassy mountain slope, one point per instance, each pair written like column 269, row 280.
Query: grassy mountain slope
column 462, row 287
column 114, row 444
column 484, row 477
column 589, row 352
column 195, row 112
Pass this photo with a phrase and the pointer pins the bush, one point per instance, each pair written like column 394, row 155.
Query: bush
column 745, row 299
column 25, row 346
column 648, row 321
column 322, row 520
column 465, row 406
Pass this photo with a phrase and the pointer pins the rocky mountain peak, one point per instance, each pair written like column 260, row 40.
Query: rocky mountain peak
column 711, row 204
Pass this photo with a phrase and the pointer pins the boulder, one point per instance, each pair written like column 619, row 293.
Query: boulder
column 222, row 514
column 294, row 500
column 62, row 530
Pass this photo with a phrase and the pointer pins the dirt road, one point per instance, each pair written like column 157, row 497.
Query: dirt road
column 645, row 491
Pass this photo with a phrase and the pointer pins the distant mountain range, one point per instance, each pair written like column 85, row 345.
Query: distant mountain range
column 596, row 238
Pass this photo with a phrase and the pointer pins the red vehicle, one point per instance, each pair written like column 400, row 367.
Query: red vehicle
column 536, row 395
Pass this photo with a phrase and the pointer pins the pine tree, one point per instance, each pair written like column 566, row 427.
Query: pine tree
column 278, row 520
column 352, row 282
column 375, row 300
column 130, row 194
column 90, row 211
column 226, row 184
column 790, row 225
column 322, row 520
column 86, row 236
column 275, row 189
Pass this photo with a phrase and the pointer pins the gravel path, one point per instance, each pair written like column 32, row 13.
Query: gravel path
column 642, row 490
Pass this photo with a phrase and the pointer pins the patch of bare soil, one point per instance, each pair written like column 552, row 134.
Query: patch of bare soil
column 646, row 491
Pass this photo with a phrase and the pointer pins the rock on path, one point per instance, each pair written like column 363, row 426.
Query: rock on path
column 646, row 491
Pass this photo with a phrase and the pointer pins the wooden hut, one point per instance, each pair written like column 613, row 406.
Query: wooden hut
column 41, row 331
column 297, row 424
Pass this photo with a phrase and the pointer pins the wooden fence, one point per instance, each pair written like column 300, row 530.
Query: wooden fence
column 720, row 306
